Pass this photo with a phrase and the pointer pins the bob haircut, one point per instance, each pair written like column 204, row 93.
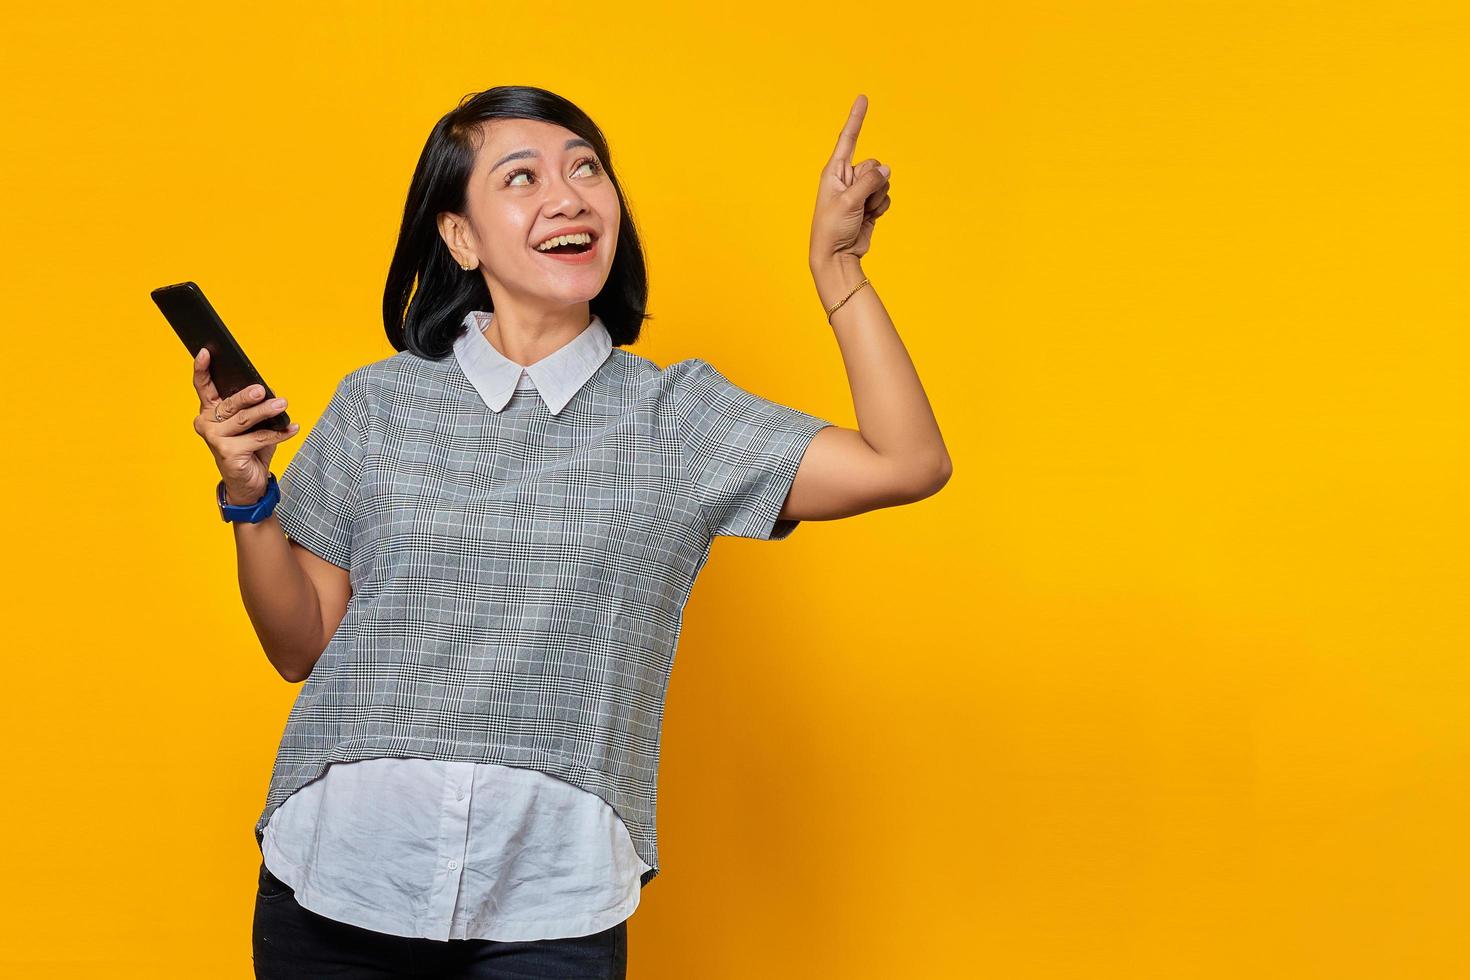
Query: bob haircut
column 428, row 293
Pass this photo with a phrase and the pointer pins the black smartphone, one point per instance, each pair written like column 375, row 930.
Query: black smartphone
column 198, row 325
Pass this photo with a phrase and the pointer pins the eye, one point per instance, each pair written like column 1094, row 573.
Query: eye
column 584, row 162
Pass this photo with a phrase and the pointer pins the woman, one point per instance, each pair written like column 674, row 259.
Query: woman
column 478, row 559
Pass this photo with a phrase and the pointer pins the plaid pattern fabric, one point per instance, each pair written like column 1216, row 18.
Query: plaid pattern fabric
column 519, row 575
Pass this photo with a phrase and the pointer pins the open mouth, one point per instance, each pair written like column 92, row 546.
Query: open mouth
column 576, row 247
column 575, row 253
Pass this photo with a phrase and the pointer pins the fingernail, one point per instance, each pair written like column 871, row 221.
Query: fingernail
column 257, row 391
column 883, row 169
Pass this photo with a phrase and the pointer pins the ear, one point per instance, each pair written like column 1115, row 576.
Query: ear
column 453, row 231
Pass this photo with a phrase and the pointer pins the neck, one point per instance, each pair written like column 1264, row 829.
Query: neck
column 527, row 339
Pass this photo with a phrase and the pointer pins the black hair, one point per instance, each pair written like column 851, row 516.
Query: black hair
column 428, row 293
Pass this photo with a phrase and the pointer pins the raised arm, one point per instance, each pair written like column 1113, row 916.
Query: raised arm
column 896, row 455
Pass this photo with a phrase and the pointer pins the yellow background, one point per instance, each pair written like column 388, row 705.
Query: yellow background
column 1169, row 681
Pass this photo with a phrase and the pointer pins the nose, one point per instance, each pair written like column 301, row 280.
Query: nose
column 565, row 196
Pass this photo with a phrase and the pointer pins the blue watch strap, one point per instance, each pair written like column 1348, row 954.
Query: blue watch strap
column 249, row 513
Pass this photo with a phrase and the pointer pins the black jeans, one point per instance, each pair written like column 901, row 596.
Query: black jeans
column 293, row 942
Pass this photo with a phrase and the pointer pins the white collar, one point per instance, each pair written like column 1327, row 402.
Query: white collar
column 557, row 376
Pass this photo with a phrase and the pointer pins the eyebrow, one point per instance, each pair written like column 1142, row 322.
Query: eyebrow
column 519, row 154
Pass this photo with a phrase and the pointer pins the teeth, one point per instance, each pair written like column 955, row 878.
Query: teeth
column 582, row 238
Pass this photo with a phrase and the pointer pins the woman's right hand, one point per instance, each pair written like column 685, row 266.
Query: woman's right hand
column 243, row 458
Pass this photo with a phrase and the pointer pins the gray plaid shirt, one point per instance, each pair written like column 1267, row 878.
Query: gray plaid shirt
column 519, row 572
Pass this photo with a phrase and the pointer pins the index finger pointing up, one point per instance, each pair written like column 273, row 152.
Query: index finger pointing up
column 847, row 141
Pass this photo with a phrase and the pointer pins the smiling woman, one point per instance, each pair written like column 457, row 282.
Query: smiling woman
column 494, row 533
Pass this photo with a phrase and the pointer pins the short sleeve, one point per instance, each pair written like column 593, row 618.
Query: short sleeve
column 740, row 452
column 319, row 489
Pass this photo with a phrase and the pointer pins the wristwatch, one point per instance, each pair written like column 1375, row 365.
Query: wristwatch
column 249, row 513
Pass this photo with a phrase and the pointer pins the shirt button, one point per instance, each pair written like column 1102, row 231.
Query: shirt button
column 453, row 865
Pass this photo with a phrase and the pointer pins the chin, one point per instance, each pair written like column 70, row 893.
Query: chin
column 571, row 297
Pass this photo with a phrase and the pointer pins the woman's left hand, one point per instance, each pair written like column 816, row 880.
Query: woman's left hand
column 850, row 199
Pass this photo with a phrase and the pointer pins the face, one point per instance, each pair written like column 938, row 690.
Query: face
column 531, row 180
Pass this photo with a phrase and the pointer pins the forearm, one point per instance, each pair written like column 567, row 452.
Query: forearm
column 280, row 599
column 893, row 412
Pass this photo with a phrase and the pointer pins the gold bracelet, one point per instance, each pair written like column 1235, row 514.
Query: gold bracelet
column 845, row 299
